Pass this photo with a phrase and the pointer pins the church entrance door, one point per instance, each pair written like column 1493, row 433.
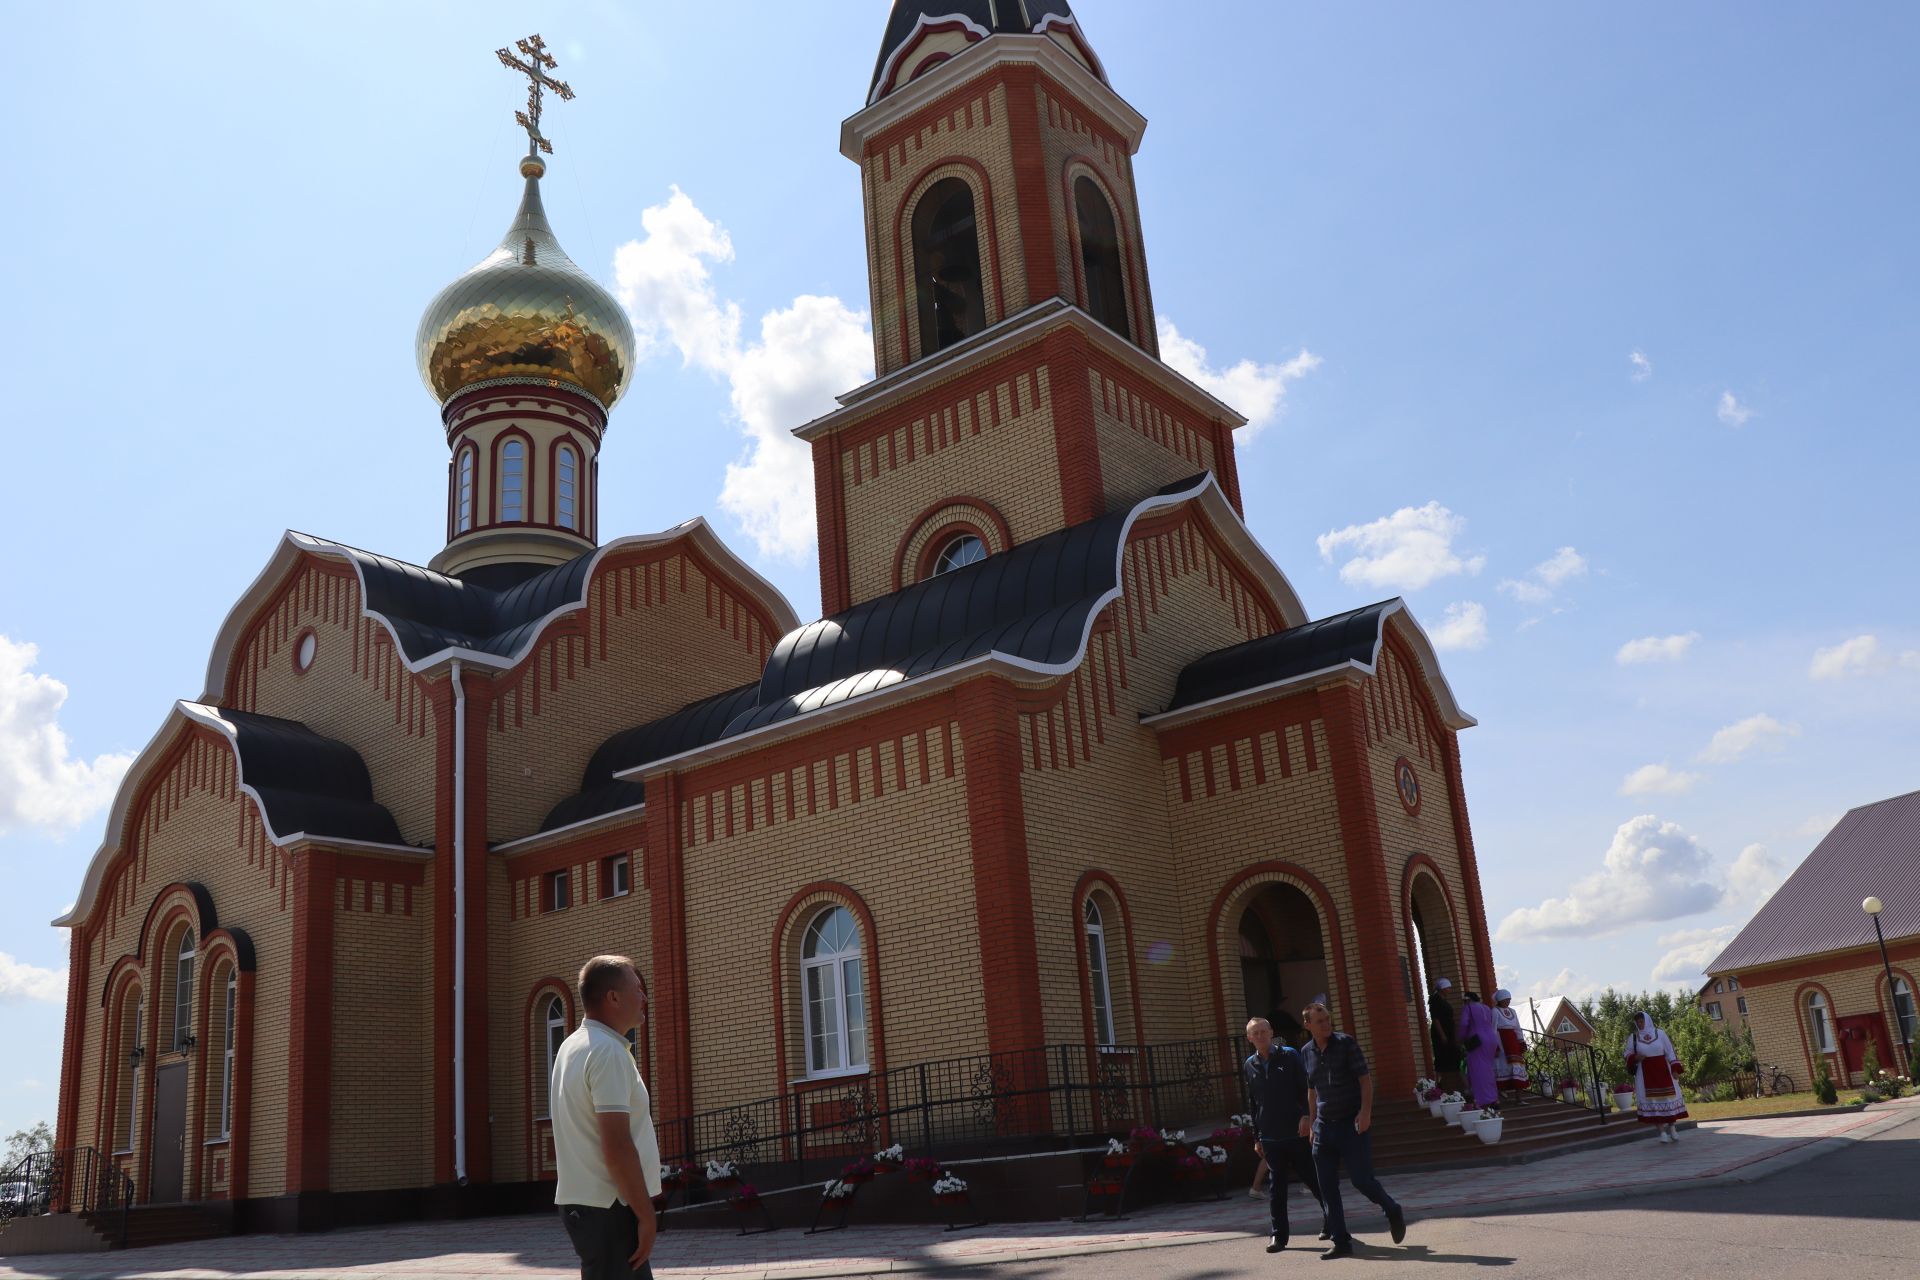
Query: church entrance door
column 169, row 1134
column 1283, row 958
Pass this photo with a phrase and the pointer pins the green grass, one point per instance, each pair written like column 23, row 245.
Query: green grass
column 1753, row 1106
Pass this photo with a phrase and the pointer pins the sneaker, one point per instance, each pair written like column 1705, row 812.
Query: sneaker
column 1674, row 1129
column 1665, row 1138
column 1342, row 1249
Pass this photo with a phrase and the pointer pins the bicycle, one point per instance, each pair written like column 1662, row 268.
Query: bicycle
column 1769, row 1079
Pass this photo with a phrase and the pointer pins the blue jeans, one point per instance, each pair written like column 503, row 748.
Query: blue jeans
column 1333, row 1142
column 1282, row 1153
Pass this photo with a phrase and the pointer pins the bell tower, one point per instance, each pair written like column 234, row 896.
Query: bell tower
column 1019, row 386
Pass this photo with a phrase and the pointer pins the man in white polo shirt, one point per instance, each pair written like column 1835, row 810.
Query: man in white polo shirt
column 603, row 1140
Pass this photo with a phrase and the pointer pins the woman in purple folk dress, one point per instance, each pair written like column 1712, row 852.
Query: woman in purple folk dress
column 1480, row 1043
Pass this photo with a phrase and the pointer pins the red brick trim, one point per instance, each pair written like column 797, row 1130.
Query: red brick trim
column 1807, row 1051
column 829, row 500
column 999, row 538
column 1030, row 185
column 536, row 1057
column 543, row 399
column 494, row 520
column 310, row 1025
column 1469, row 864
column 580, row 525
column 1096, row 878
column 1417, row 864
column 1884, row 992
column 1391, row 1057
column 1083, row 164
column 786, row 979
column 125, row 973
column 1076, row 438
column 1836, row 962
column 905, row 54
column 215, row 949
column 73, row 1040
column 666, row 881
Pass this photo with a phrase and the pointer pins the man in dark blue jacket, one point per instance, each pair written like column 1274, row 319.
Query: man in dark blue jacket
column 1342, row 1097
column 1277, row 1083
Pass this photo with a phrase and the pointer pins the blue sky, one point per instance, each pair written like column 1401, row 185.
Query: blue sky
column 1437, row 239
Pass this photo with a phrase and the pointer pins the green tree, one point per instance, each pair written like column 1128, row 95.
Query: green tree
column 1823, row 1083
column 22, row 1143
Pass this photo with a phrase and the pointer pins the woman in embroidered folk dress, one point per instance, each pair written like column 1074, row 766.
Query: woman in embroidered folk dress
column 1510, row 1064
column 1656, row 1077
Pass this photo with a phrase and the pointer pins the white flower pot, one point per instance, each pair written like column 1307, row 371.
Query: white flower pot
column 1469, row 1121
column 1450, row 1111
column 1624, row 1101
column 1570, row 1096
column 1489, row 1130
column 1433, row 1109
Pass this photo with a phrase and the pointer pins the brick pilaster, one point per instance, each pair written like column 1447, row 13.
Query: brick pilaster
column 1469, row 865
column 671, row 1007
column 1076, row 440
column 1031, row 185
column 310, row 1028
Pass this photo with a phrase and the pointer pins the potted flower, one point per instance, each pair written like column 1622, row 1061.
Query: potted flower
column 1420, row 1088
column 1623, row 1097
column 745, row 1196
column 1491, row 1122
column 1119, row 1155
column 1240, row 1122
column 1600, row 1097
column 722, row 1175
column 950, row 1190
column 890, row 1160
column 1229, row 1137
column 1569, row 1090
column 1468, row 1120
column 921, row 1169
column 1145, row 1141
column 1450, row 1104
column 1103, row 1186
column 837, row 1194
column 861, row 1170
column 1190, row 1167
column 1431, row 1100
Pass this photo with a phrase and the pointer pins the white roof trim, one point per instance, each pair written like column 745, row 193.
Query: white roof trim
column 1080, row 38
column 612, row 817
column 911, row 39
column 976, row 60
column 1243, row 697
column 996, row 338
column 294, row 543
column 1206, row 491
column 184, row 712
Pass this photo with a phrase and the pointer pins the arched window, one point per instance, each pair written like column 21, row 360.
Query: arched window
column 1100, row 257
column 566, row 487
column 463, row 491
column 833, row 993
column 1903, row 1011
column 226, row 1061
column 183, row 993
column 958, row 554
column 1820, row 1024
column 1097, row 972
column 946, row 260
column 553, row 1029
column 513, row 482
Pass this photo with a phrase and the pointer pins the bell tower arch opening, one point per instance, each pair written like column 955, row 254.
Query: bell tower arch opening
column 1283, row 958
column 1100, row 271
column 946, row 261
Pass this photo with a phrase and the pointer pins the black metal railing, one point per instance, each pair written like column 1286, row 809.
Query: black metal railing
column 969, row 1106
column 1554, row 1060
column 80, row 1180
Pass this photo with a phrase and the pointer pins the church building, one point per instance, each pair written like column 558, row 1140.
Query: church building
column 1066, row 774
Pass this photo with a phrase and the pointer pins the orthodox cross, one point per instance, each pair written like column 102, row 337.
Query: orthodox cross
column 535, row 68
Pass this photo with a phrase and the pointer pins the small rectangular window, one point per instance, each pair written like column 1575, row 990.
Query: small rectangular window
column 1742, row 1003
column 1714, row 1009
column 1733, row 983
column 1717, row 988
column 616, row 881
column 558, row 896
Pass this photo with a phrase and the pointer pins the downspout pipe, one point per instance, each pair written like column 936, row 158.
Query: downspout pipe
column 459, row 928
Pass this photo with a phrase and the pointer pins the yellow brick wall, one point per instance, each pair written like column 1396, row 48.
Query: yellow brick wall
column 657, row 634
column 1094, row 796
column 996, row 444
column 382, row 1035
column 1782, row 1035
column 1074, row 144
column 973, row 128
column 1143, row 445
column 898, row 842
column 197, row 827
column 357, row 689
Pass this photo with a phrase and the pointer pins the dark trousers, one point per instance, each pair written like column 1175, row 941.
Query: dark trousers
column 1282, row 1154
column 605, row 1239
column 1335, row 1141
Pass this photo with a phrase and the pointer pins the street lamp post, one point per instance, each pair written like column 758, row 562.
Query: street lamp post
column 1873, row 907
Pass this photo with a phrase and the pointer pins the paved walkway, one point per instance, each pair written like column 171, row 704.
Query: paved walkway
column 1713, row 1154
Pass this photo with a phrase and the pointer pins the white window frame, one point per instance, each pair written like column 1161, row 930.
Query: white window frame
column 559, row 885
column 226, row 1068
column 1095, row 928
column 1821, row 1018
column 566, row 487
column 947, row 562
column 512, row 486
column 1908, row 1023
column 846, row 1050
column 619, row 875
column 554, row 1019
column 1566, row 1027
column 183, row 992
column 463, row 490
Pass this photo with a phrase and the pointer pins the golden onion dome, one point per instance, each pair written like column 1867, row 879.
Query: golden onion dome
column 526, row 311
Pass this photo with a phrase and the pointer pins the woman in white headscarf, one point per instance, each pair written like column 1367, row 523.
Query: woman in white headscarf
column 1656, row 1072
column 1510, row 1064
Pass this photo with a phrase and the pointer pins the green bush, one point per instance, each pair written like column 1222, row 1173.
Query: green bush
column 1870, row 1064
column 1823, row 1085
column 1726, row 1091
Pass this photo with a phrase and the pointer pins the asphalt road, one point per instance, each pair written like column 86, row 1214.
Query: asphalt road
column 1854, row 1213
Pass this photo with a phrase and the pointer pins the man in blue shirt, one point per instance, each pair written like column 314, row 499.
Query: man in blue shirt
column 1277, row 1084
column 1340, row 1093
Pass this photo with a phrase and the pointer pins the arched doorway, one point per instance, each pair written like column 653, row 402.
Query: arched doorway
column 1283, row 957
column 1436, row 947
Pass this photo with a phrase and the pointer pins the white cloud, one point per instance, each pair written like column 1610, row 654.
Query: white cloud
column 1538, row 586
column 1405, row 551
column 1642, row 367
column 22, row 981
column 806, row 353
column 41, row 783
column 1658, row 779
column 1732, row 412
column 1651, row 871
column 1689, row 953
column 1462, row 626
column 1756, row 733
column 1860, row 656
column 1656, row 649
column 1257, row 390
column 1818, row 825
column 1574, row 986
column 1754, row 876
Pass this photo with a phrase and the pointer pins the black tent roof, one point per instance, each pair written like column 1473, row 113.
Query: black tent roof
column 307, row 782
column 1016, row 16
column 694, row 725
column 1319, row 645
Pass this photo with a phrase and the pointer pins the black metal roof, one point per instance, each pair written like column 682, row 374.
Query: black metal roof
column 307, row 782
column 1017, row 16
column 430, row 612
column 1319, row 645
column 694, row 725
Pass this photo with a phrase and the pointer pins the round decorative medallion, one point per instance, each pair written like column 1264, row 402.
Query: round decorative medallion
column 1407, row 783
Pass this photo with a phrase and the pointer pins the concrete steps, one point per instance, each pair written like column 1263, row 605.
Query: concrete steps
column 1407, row 1137
column 160, row 1224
